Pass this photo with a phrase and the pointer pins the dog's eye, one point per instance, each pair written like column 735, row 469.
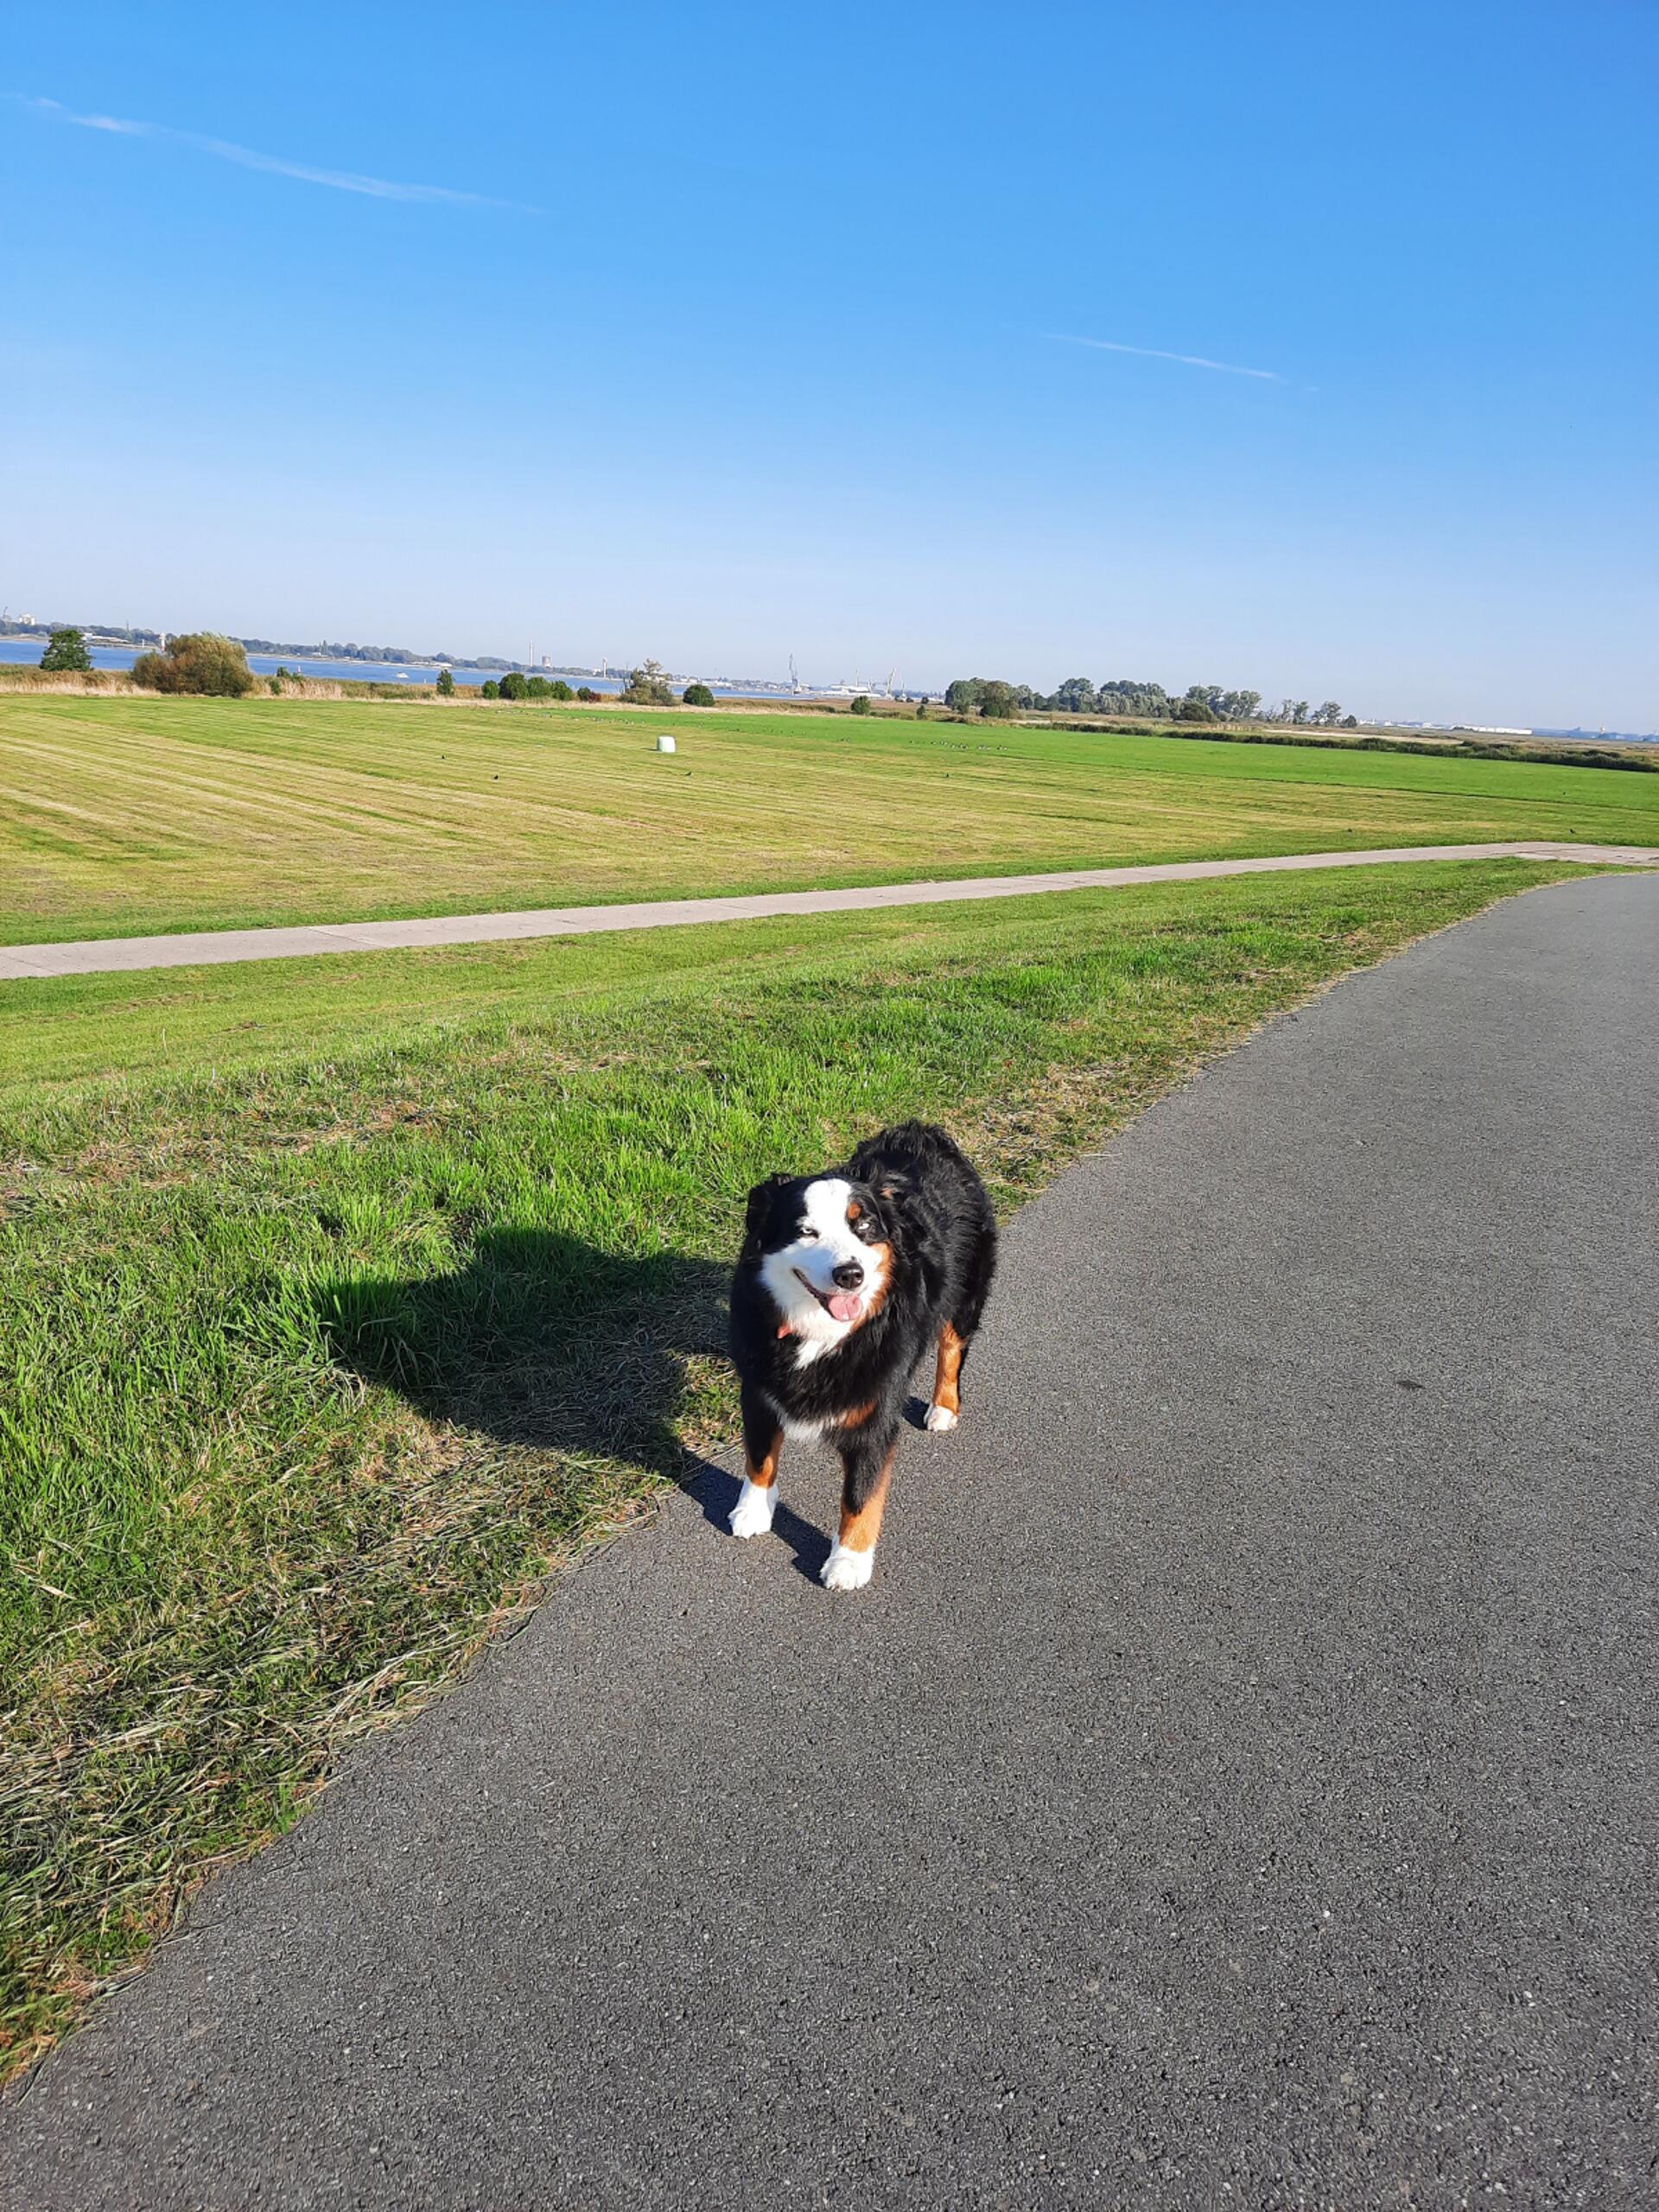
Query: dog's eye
column 809, row 1236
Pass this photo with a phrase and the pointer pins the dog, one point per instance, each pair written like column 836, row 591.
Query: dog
column 844, row 1280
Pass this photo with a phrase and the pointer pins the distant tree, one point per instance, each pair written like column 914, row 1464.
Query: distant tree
column 1129, row 694
column 861, row 704
column 490, row 689
column 588, row 695
column 698, row 695
column 1329, row 713
column 997, row 701
column 1351, row 721
column 560, row 689
column 286, row 675
column 1121, row 695
column 446, row 684
column 514, row 685
column 1075, row 696
column 921, row 710
column 647, row 687
column 202, row 663
column 66, row 653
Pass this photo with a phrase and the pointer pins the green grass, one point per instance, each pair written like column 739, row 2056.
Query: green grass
column 124, row 815
column 320, row 1361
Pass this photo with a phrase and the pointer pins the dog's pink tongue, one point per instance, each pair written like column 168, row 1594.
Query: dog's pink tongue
column 844, row 1305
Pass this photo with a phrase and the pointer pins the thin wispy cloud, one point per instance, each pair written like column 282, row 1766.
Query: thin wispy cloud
column 1157, row 354
column 223, row 149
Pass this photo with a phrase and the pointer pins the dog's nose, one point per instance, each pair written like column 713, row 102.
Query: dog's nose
column 848, row 1276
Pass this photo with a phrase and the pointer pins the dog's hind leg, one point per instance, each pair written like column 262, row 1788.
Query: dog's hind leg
column 867, row 1465
column 763, row 1441
column 946, row 1408
column 961, row 1329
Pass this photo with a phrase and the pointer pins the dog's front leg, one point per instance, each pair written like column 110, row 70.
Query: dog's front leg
column 763, row 1441
column 867, row 1461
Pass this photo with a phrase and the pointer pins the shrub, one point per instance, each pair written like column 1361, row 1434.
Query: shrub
column 514, row 685
column 698, row 695
column 202, row 663
column 921, row 710
column 861, row 704
column 491, row 689
column 446, row 684
column 560, row 689
column 648, row 687
column 586, row 694
column 274, row 685
column 66, row 653
column 538, row 687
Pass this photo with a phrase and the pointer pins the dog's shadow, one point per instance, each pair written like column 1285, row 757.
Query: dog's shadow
column 545, row 1342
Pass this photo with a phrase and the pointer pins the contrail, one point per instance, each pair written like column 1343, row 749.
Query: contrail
column 372, row 187
column 1157, row 354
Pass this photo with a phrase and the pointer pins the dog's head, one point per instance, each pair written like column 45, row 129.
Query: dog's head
column 824, row 1249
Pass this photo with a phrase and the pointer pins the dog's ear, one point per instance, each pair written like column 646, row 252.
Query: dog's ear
column 895, row 1183
column 759, row 1206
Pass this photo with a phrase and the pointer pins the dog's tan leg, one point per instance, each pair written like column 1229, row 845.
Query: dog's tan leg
column 946, row 1408
column 763, row 1442
column 863, row 1501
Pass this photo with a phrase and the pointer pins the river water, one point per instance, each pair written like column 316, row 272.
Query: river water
column 28, row 651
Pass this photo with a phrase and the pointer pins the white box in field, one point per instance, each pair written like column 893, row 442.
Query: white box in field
column 667, row 745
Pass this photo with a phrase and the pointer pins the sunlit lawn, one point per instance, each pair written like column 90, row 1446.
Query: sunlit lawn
column 126, row 815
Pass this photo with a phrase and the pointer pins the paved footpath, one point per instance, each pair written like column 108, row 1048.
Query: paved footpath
column 1237, row 1790
column 213, row 947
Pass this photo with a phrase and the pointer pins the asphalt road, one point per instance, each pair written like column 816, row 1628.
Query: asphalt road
column 1237, row 1787
column 213, row 947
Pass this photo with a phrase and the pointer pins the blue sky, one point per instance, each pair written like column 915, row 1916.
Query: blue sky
column 720, row 333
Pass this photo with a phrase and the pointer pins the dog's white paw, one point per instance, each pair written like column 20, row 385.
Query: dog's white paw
column 939, row 1417
column 845, row 1570
column 752, row 1515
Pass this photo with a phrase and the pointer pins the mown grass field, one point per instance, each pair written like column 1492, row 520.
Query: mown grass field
column 124, row 815
column 337, row 1322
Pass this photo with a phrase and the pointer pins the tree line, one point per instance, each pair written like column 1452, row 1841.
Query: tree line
column 995, row 700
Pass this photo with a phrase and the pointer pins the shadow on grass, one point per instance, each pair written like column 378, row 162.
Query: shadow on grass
column 542, row 1342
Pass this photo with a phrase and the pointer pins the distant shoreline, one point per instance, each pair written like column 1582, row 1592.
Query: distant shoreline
column 19, row 648
column 120, row 646
column 117, row 637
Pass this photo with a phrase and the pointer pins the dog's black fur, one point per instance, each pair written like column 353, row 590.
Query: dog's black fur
column 918, row 1196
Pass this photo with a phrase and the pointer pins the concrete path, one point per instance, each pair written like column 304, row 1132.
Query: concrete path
column 1237, row 1787
column 201, row 948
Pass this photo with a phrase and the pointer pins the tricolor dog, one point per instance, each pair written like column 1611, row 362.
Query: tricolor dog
column 844, row 1281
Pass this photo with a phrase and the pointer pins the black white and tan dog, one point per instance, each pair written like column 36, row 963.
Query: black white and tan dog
column 844, row 1281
